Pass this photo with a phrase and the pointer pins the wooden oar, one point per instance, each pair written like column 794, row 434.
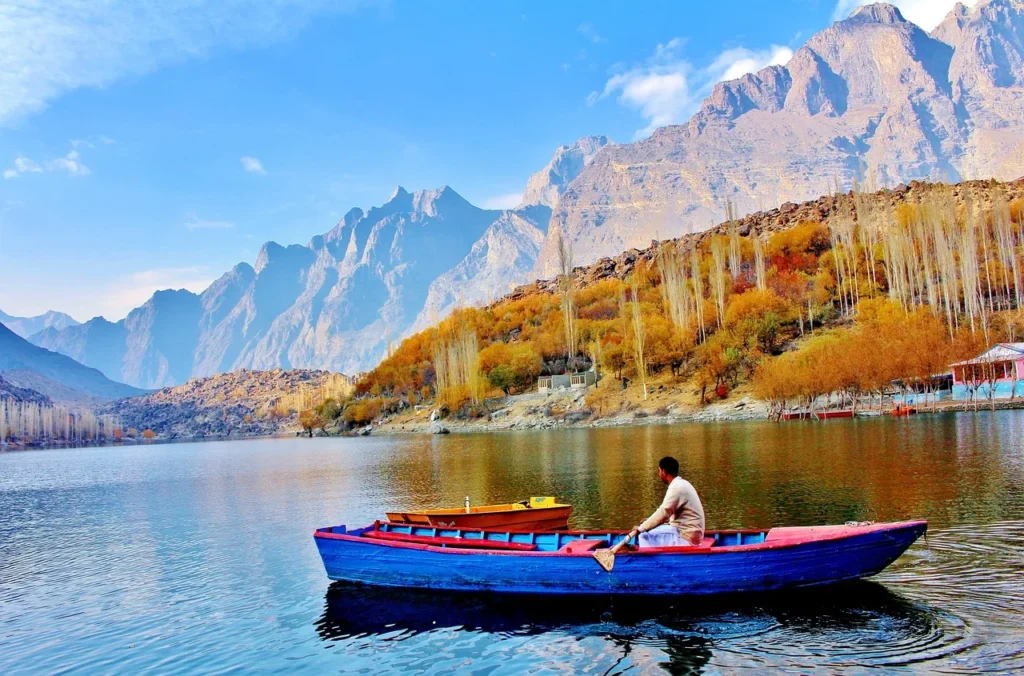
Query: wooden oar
column 606, row 557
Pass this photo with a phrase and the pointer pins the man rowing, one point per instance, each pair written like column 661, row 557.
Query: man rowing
column 681, row 509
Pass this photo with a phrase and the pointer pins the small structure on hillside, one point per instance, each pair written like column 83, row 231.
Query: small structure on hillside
column 996, row 373
column 575, row 381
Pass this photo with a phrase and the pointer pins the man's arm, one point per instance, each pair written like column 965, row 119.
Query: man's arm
column 663, row 513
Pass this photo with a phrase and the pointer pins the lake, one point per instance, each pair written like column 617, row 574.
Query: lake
column 200, row 557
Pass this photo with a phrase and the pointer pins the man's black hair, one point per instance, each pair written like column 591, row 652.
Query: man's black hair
column 670, row 465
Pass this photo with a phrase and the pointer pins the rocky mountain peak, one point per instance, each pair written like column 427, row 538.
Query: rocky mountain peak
column 398, row 193
column 951, row 28
column 343, row 230
column 436, row 202
column 545, row 186
column 881, row 12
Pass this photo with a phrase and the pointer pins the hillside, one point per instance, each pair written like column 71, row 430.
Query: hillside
column 824, row 210
column 837, row 296
column 17, row 354
column 243, row 402
column 12, row 392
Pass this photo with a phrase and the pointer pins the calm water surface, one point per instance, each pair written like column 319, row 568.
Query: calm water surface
column 200, row 557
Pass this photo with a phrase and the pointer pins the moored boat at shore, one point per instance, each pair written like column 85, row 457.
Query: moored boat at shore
column 457, row 559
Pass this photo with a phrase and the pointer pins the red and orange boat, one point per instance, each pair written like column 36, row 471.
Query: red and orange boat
column 544, row 513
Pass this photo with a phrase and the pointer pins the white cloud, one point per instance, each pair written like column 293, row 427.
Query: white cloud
column 70, row 163
column 195, row 223
column 589, row 32
column 48, row 47
column 508, row 201
column 90, row 142
column 667, row 89
column 253, row 165
column 737, row 62
column 925, row 13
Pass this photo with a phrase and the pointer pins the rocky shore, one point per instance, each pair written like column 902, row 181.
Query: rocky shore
column 536, row 411
column 242, row 403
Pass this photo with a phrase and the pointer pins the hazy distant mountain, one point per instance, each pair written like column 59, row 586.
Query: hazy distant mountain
column 870, row 95
column 26, row 326
column 330, row 304
column 18, row 355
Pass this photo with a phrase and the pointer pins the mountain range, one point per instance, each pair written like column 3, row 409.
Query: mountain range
column 26, row 326
column 872, row 97
column 58, row 377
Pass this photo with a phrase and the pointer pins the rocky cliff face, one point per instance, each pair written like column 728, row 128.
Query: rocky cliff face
column 547, row 185
column 498, row 261
column 870, row 96
column 506, row 254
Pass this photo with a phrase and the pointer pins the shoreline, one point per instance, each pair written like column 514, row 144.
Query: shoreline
column 738, row 411
column 744, row 410
column 718, row 412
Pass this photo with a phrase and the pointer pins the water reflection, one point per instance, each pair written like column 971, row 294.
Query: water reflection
column 198, row 557
column 749, row 474
column 856, row 624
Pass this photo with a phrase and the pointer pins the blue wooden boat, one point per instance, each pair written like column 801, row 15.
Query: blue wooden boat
column 560, row 562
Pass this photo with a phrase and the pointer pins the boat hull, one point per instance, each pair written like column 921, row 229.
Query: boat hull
column 788, row 558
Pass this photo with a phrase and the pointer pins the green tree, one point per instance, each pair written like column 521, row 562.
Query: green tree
column 503, row 378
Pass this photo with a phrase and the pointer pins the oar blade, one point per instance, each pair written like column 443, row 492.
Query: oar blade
column 606, row 558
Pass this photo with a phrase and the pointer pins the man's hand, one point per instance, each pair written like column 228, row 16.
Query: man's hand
column 632, row 534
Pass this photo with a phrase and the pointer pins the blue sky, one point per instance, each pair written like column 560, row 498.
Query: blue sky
column 155, row 147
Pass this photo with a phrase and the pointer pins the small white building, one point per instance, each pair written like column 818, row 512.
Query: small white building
column 567, row 381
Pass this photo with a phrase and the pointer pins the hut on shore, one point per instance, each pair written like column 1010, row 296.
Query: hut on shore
column 996, row 373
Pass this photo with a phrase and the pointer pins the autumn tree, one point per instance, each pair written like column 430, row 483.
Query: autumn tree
column 311, row 420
